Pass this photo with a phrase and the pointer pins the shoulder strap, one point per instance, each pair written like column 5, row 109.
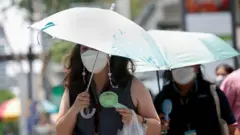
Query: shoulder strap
column 216, row 100
column 129, row 85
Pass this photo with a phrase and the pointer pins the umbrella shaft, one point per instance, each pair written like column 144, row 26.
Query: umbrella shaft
column 91, row 77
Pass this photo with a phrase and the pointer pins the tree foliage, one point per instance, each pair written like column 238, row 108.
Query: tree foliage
column 5, row 95
column 52, row 6
column 136, row 8
column 60, row 49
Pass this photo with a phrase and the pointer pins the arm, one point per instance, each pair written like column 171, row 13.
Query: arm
column 227, row 114
column 142, row 98
column 66, row 117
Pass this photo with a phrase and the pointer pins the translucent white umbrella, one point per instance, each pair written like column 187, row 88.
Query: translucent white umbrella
column 180, row 49
column 104, row 30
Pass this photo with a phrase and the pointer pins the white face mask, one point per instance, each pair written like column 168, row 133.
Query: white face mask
column 183, row 75
column 219, row 79
column 89, row 57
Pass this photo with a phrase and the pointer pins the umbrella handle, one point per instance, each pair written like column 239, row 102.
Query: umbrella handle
column 88, row 114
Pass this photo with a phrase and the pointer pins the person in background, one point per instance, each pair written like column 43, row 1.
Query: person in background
column 193, row 106
column 221, row 72
column 231, row 87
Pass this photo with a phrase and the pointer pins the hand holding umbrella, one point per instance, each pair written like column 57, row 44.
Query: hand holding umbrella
column 89, row 114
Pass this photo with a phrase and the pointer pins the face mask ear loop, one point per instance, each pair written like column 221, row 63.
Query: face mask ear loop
column 110, row 74
column 84, row 75
column 113, row 8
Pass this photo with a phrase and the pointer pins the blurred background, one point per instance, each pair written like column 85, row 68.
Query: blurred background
column 31, row 74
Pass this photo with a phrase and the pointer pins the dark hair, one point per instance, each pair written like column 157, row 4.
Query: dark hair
column 200, row 74
column 226, row 67
column 74, row 67
column 167, row 76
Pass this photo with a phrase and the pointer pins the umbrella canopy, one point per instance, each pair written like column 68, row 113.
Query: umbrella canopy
column 11, row 110
column 104, row 30
column 181, row 49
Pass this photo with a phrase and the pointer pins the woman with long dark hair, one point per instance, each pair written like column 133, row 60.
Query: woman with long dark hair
column 110, row 74
column 194, row 110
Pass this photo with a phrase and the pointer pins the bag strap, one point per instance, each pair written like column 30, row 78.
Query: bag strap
column 216, row 100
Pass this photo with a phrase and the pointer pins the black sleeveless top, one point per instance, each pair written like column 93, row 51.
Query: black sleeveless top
column 106, row 121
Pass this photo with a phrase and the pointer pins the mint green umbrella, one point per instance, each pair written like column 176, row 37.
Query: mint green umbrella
column 180, row 49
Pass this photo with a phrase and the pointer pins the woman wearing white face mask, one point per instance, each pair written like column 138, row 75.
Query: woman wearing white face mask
column 194, row 111
column 221, row 73
column 110, row 74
